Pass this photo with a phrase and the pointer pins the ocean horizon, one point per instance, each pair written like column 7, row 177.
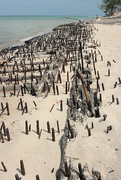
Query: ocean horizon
column 14, row 30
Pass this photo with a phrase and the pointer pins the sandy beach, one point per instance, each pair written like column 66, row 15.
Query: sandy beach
column 99, row 153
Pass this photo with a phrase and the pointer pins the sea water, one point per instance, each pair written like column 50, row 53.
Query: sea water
column 14, row 30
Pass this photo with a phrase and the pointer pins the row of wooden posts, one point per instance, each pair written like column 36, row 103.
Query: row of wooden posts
column 39, row 132
column 67, row 170
column 4, row 132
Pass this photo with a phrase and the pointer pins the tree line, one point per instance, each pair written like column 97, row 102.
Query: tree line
column 110, row 6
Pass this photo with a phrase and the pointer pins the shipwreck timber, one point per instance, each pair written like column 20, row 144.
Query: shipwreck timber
column 21, row 71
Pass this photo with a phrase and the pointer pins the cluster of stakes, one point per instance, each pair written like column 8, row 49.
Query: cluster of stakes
column 24, row 71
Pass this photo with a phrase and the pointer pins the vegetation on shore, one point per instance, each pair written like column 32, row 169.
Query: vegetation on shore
column 110, row 6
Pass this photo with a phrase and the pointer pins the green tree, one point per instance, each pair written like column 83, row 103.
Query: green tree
column 109, row 6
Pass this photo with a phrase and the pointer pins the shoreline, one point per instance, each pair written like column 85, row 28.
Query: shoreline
column 40, row 32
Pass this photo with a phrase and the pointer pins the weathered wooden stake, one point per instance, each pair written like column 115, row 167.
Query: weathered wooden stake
column 48, row 126
column 80, row 170
column 103, row 87
column 26, row 107
column 53, row 135
column 67, row 76
column 8, row 112
column 22, row 168
column 66, row 169
column 104, row 116
column 101, row 58
column 119, row 80
column 52, row 107
column 29, row 127
column 117, row 101
column 14, row 89
column 61, row 105
column 53, row 87
column 113, row 98
column 115, row 84
column 8, row 134
column 69, row 126
column 98, row 75
column 37, row 125
column 2, row 106
column 4, row 91
column 17, row 177
column 4, row 128
column 101, row 98
column 1, row 135
column 57, row 90
column 22, row 90
column 92, row 125
column 26, row 127
column 108, row 72
column 89, row 132
column 4, row 167
column 58, row 127
column 37, row 177
column 72, row 133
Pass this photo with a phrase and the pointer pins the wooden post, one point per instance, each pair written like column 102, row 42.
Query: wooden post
column 22, row 168
column 85, row 91
column 113, row 98
column 66, row 90
column 98, row 75
column 103, row 87
column 89, row 132
column 81, row 57
column 8, row 112
column 57, row 90
column 80, row 170
column 4, row 167
column 2, row 136
column 37, row 125
column 119, row 80
column 14, row 89
column 115, row 84
column 66, row 169
column 52, row 107
column 4, row 128
column 37, row 177
column 22, row 90
column 53, row 135
column 8, row 134
column 69, row 126
column 101, row 98
column 29, row 127
column 104, row 116
column 67, row 76
column 92, row 125
column 17, row 177
column 2, row 106
column 61, row 105
column 26, row 127
column 53, row 88
column 117, row 101
column 26, row 108
column 72, row 133
column 48, row 126
column 4, row 91
column 58, row 127
column 108, row 72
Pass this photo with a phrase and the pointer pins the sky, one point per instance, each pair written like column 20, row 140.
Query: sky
column 50, row 7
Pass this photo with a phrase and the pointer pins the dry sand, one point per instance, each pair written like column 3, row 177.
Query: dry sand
column 100, row 151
